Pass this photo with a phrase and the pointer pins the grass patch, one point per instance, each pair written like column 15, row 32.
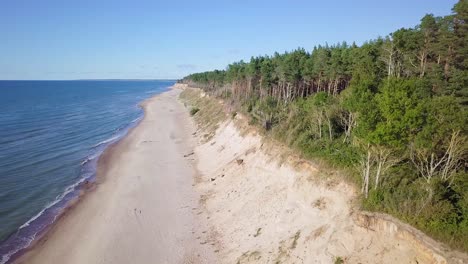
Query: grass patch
column 207, row 112
column 194, row 110
column 248, row 257
column 338, row 260
column 295, row 239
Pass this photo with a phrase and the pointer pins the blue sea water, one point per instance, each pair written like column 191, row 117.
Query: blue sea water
column 51, row 135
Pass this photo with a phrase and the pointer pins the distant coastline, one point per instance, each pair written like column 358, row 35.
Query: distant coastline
column 30, row 231
column 96, row 80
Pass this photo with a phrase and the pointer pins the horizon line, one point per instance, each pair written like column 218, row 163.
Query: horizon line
column 97, row 79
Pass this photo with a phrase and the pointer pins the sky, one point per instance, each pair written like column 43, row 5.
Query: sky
column 143, row 39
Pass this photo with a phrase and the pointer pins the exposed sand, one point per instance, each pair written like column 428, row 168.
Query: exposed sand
column 141, row 211
column 268, row 206
column 245, row 202
column 264, row 212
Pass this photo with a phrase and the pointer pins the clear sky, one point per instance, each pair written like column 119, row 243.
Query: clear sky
column 104, row 39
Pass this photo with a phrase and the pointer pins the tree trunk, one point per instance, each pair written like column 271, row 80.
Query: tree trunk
column 348, row 122
column 422, row 64
column 367, row 173
column 377, row 174
column 320, row 126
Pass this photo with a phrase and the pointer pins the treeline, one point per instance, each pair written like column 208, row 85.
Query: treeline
column 394, row 109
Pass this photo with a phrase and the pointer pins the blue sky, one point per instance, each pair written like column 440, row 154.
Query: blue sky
column 60, row 39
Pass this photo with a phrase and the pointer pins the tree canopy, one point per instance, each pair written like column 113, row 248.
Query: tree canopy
column 392, row 111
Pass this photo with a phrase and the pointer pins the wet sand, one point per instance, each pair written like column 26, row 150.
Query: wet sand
column 168, row 194
column 142, row 208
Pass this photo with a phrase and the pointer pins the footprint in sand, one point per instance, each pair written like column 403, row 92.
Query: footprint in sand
column 172, row 135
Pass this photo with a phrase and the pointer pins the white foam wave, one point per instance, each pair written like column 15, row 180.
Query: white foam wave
column 29, row 240
column 106, row 141
column 7, row 256
column 57, row 200
column 136, row 119
column 89, row 159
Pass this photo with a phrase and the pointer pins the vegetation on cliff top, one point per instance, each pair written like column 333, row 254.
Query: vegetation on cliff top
column 393, row 111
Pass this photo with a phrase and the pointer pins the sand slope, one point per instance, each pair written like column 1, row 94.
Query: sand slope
column 166, row 194
column 262, row 211
column 141, row 211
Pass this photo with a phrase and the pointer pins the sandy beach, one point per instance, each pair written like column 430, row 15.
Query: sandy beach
column 176, row 191
column 142, row 209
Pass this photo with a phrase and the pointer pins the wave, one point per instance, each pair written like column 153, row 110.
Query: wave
column 137, row 119
column 90, row 158
column 116, row 137
column 25, row 241
column 24, row 236
column 58, row 199
column 151, row 92
column 6, row 257
column 109, row 140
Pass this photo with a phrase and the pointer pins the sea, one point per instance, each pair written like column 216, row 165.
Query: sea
column 51, row 136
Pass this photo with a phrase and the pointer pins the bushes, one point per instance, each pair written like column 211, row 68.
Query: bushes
column 338, row 260
column 397, row 127
column 429, row 208
column 194, row 110
column 313, row 126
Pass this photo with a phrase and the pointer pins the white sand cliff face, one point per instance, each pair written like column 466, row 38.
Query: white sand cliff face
column 167, row 195
column 261, row 211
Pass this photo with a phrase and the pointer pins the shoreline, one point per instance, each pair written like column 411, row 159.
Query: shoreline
column 173, row 192
column 41, row 250
column 84, row 188
column 78, row 190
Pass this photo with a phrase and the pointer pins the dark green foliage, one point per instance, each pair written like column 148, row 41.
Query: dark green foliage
column 393, row 112
column 339, row 260
column 194, row 110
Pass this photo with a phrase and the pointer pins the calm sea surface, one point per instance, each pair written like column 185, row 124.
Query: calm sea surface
column 51, row 134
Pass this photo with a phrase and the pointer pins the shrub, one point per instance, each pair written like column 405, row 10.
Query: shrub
column 339, row 260
column 194, row 110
